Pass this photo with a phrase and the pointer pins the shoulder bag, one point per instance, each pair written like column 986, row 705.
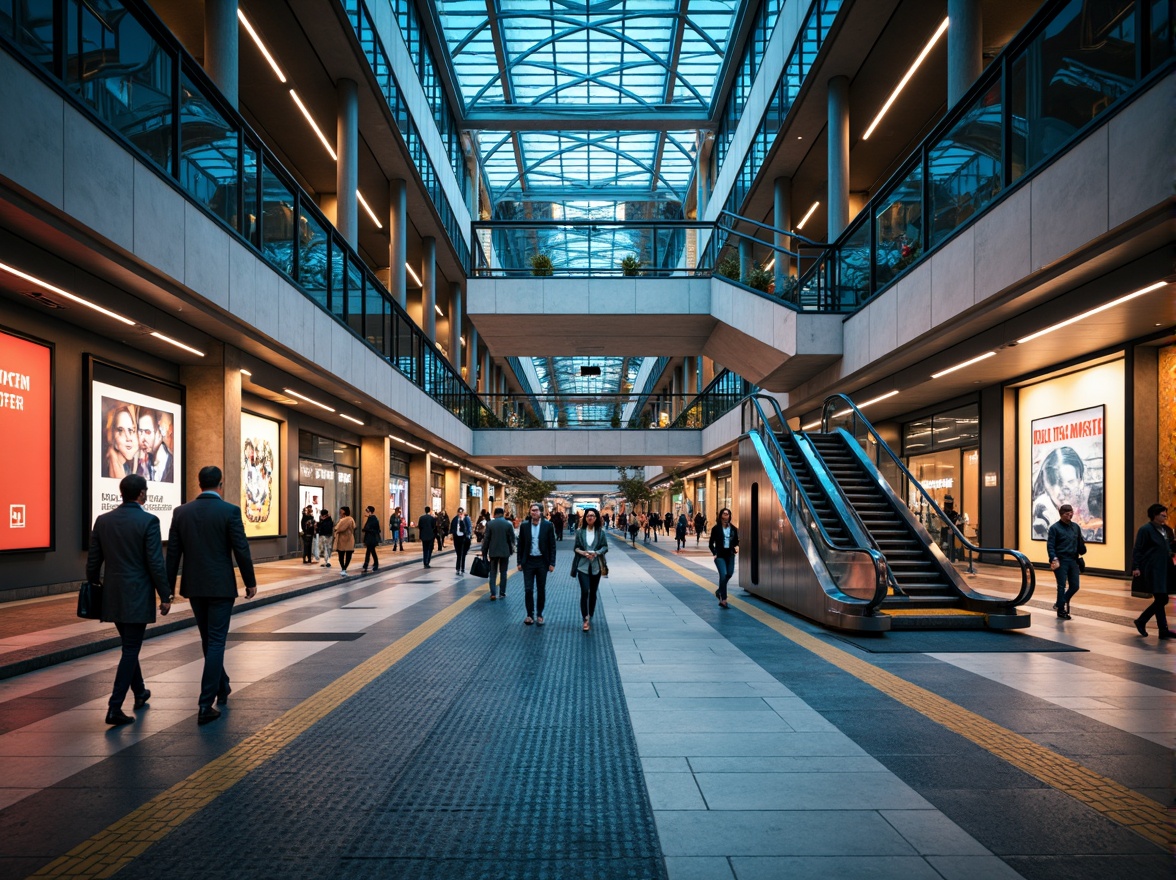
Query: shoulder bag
column 90, row 601
column 479, row 568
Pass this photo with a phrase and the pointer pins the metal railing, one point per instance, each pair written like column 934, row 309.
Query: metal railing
column 841, row 412
column 633, row 411
column 725, row 392
column 835, row 556
column 1058, row 77
column 132, row 77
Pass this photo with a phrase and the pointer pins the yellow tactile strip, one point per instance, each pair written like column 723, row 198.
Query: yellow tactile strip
column 1113, row 800
column 110, row 850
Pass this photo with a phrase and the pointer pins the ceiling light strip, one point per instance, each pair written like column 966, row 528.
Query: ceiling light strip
column 1094, row 311
column 71, row 297
column 260, row 45
column 966, row 363
column 322, row 137
column 808, row 214
column 939, row 32
column 414, row 275
column 363, row 203
column 350, row 418
column 294, row 393
column 860, row 406
column 177, row 343
column 406, row 443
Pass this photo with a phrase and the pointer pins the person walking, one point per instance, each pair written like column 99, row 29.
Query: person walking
column 497, row 548
column 655, row 523
column 307, row 530
column 207, row 534
column 325, row 532
column 634, row 528
column 643, row 520
column 536, row 559
column 590, row 548
column 1153, row 561
column 680, row 533
column 724, row 545
column 127, row 541
column 668, row 519
column 442, row 529
column 557, row 522
column 345, row 539
column 371, row 539
column 427, row 529
column 395, row 521
column 1064, row 544
column 462, row 531
column 699, row 526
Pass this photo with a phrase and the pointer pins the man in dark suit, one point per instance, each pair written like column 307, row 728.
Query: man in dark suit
column 536, row 559
column 209, row 530
column 498, row 546
column 127, row 540
column 427, row 529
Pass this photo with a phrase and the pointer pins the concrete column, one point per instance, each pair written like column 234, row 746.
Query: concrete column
column 838, row 173
column 398, row 242
column 782, row 219
column 420, row 491
column 675, row 393
column 746, row 257
column 213, row 389
column 373, row 479
column 485, row 377
column 429, row 287
column 452, row 494
column 711, row 502
column 220, row 46
column 347, row 166
column 471, row 356
column 708, row 371
column 455, row 309
column 700, row 181
column 965, row 47
column 691, row 368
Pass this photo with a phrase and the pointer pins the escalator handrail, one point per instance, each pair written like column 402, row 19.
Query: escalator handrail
column 881, row 569
column 1028, row 576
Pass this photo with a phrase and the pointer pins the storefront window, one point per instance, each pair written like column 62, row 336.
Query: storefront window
column 327, row 474
column 723, row 494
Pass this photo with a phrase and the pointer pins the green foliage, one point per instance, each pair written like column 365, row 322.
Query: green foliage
column 541, row 265
column 562, row 418
column 759, row 278
column 615, row 421
column 677, row 483
column 633, row 488
column 630, row 265
column 523, row 493
column 728, row 267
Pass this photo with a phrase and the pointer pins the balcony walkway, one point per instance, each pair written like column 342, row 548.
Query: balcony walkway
column 402, row 725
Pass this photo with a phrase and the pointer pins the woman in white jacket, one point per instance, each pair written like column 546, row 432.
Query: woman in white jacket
column 591, row 545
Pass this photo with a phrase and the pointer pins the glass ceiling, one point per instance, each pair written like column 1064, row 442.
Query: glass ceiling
column 561, row 375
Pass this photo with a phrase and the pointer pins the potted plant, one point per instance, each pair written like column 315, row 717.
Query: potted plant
column 728, row 267
column 759, row 278
column 541, row 264
column 631, row 266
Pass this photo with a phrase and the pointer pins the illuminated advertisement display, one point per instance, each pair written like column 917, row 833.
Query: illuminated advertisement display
column 1067, row 468
column 261, row 476
column 135, row 433
column 26, row 418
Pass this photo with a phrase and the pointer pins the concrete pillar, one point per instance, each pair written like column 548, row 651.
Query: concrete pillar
column 485, row 377
column 675, row 393
column 213, row 389
column 965, row 47
column 455, row 309
column 420, row 490
column 347, row 166
column 452, row 494
column 471, row 357
column 782, row 219
column 708, row 371
column 398, row 242
column 838, row 171
column 691, row 368
column 373, row 479
column 220, row 46
column 429, row 287
column 746, row 256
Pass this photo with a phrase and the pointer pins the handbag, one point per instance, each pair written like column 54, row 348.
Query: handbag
column 1137, row 588
column 479, row 568
column 90, row 601
column 603, row 566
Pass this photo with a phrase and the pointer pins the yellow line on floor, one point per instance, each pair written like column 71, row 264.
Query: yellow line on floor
column 1117, row 802
column 108, row 851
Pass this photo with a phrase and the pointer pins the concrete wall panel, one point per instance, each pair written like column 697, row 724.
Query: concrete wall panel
column 1070, row 200
column 206, row 257
column 103, row 201
column 1002, row 240
column 32, row 153
column 1141, row 143
column 913, row 302
column 883, row 326
column 953, row 287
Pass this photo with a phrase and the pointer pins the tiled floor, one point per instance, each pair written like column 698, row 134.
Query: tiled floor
column 759, row 758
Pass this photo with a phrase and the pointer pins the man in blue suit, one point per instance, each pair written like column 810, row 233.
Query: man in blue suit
column 126, row 540
column 209, row 531
column 427, row 530
column 536, row 557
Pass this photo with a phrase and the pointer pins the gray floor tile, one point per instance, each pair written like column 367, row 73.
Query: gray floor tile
column 973, row 868
column 808, row 791
column 777, row 833
column 834, row 868
column 707, row 721
column 673, row 791
column 778, row 764
column 699, row 868
column 689, row 744
column 933, row 834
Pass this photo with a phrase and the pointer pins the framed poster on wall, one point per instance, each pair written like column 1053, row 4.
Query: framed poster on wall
column 1067, row 465
column 136, row 427
column 26, row 418
column 312, row 497
column 261, row 476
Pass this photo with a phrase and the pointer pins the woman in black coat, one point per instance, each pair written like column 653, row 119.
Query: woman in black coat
column 1153, row 561
column 371, row 539
column 724, row 544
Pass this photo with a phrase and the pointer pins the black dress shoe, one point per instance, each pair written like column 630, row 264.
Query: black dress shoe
column 208, row 714
column 118, row 716
column 1139, row 626
column 222, row 699
column 141, row 699
column 1165, row 634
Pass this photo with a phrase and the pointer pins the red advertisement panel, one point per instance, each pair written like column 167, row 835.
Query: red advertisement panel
column 26, row 408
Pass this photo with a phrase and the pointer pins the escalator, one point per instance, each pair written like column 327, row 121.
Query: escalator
column 836, row 542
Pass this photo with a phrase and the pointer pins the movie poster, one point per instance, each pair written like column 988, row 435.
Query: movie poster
column 261, row 476
column 312, row 497
column 1067, row 468
column 134, row 433
column 26, row 418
